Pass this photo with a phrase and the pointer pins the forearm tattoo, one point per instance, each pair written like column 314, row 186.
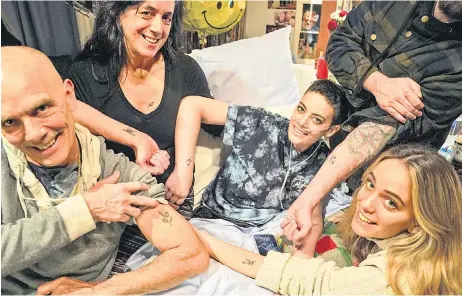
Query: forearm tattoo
column 332, row 159
column 130, row 131
column 167, row 218
column 248, row 262
column 368, row 139
column 188, row 162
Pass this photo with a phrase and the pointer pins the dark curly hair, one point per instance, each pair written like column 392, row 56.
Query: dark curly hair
column 106, row 45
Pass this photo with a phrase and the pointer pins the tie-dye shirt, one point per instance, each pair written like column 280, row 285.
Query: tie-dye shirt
column 247, row 188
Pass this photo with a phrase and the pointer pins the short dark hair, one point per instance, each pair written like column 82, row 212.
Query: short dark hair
column 333, row 93
column 107, row 45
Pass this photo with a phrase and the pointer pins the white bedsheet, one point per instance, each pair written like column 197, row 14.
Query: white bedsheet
column 218, row 279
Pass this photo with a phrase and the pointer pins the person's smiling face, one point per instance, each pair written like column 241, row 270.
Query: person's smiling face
column 383, row 203
column 146, row 27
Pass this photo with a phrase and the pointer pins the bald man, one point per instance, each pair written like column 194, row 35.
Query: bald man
column 59, row 185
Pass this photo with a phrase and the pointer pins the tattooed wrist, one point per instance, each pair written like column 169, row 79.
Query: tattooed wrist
column 188, row 162
column 248, row 262
column 332, row 159
column 130, row 131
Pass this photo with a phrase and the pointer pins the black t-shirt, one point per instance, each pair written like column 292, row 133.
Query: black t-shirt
column 183, row 77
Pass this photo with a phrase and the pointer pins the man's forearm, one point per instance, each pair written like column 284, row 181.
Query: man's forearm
column 359, row 147
column 182, row 255
column 100, row 124
column 170, row 269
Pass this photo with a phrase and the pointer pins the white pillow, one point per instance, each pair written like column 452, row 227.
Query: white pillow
column 256, row 71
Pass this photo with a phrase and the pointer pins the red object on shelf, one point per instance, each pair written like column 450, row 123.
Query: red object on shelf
column 322, row 71
column 332, row 25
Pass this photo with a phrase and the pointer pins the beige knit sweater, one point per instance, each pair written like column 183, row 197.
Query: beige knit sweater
column 287, row 275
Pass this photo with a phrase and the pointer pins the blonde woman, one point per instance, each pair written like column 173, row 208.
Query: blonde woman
column 404, row 229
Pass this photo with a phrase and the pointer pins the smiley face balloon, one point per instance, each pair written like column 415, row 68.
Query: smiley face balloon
column 213, row 17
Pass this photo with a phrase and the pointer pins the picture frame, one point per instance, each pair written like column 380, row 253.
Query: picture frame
column 280, row 4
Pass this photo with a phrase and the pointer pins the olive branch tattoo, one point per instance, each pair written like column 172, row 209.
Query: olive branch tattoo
column 130, row 131
column 167, row 218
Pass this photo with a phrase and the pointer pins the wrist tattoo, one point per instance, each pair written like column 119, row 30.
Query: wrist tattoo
column 151, row 104
column 332, row 159
column 248, row 262
column 368, row 139
column 167, row 218
column 130, row 131
column 188, row 162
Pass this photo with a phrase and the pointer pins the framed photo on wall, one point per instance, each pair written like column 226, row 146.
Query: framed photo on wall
column 284, row 18
column 309, row 31
column 282, row 4
column 271, row 28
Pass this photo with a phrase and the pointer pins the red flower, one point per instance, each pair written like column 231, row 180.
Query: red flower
column 332, row 25
column 342, row 13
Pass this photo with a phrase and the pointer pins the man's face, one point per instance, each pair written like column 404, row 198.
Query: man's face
column 451, row 8
column 37, row 118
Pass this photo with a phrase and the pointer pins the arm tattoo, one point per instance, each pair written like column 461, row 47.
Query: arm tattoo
column 332, row 159
column 167, row 218
column 151, row 104
column 130, row 131
column 188, row 162
column 248, row 262
column 368, row 139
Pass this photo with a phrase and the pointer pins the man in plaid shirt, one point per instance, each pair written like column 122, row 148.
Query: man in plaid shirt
column 402, row 64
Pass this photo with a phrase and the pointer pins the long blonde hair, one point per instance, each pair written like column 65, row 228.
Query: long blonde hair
column 430, row 256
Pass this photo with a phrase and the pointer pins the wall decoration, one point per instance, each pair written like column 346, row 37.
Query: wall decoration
column 284, row 18
column 309, row 33
column 282, row 4
column 212, row 17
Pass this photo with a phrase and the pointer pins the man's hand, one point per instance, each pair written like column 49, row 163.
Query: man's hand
column 177, row 187
column 399, row 97
column 146, row 151
column 66, row 286
column 111, row 202
column 297, row 224
column 159, row 162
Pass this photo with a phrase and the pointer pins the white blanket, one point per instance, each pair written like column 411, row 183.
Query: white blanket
column 218, row 279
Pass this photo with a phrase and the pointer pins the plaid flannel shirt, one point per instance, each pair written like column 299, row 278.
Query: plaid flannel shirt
column 427, row 51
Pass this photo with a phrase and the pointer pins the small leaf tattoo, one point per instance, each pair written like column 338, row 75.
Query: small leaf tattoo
column 167, row 218
column 130, row 131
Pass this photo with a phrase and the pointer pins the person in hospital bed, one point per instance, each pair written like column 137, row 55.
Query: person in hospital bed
column 271, row 158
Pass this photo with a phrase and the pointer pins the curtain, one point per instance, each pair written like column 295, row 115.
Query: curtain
column 49, row 26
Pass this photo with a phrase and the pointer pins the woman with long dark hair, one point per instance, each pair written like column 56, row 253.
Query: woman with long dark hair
column 132, row 71
column 129, row 79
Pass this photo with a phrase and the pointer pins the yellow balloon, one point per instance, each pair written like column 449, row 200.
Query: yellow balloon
column 213, row 17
